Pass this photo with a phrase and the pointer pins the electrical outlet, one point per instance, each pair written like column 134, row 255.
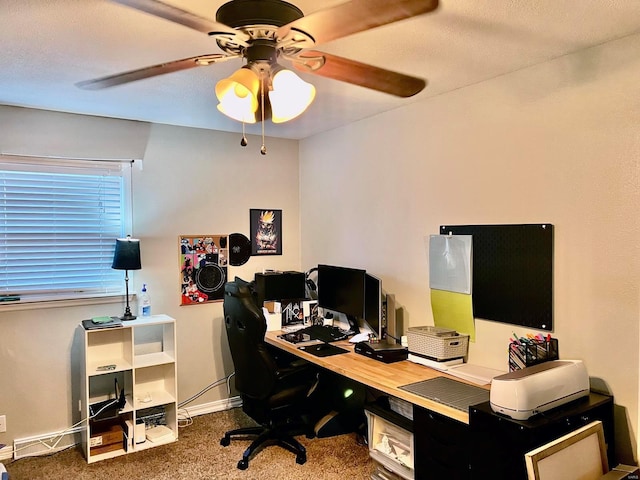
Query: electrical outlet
column 3, row 423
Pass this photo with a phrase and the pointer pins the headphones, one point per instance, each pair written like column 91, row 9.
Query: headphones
column 312, row 289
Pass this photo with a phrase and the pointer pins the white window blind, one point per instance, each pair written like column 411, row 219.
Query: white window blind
column 58, row 225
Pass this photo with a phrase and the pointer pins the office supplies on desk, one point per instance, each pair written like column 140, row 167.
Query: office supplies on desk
column 526, row 352
column 474, row 373
column 382, row 352
column 440, row 366
column 523, row 393
column 325, row 333
column 437, row 343
column 93, row 325
column 323, row 349
column 449, row 392
column 360, row 337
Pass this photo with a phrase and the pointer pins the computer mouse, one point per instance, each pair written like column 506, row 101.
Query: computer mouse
column 322, row 346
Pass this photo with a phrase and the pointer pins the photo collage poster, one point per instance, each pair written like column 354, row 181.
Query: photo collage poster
column 203, row 268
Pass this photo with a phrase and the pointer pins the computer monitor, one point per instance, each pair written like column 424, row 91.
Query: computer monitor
column 342, row 290
column 373, row 298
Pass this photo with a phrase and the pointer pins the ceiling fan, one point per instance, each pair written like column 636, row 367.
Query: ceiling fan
column 265, row 31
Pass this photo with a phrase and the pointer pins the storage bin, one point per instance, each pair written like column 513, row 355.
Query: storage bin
column 391, row 446
column 437, row 343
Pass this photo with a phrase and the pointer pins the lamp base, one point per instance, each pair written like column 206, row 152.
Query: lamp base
column 128, row 316
column 127, row 311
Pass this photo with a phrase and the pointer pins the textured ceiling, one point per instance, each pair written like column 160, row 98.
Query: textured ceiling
column 48, row 46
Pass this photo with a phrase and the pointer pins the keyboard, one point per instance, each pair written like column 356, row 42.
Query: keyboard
column 324, row 333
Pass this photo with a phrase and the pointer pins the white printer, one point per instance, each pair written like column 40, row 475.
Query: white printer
column 523, row 393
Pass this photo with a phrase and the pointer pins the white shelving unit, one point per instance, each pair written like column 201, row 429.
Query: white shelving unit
column 143, row 355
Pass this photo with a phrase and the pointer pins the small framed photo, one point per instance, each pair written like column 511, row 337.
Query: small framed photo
column 266, row 231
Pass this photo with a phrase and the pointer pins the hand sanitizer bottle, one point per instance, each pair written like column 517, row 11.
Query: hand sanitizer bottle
column 145, row 302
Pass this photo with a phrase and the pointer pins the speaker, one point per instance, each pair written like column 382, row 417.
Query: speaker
column 280, row 286
column 393, row 330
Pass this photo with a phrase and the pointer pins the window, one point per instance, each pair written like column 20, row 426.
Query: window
column 58, row 225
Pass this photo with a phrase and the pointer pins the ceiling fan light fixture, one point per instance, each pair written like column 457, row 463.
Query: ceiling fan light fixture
column 290, row 95
column 238, row 95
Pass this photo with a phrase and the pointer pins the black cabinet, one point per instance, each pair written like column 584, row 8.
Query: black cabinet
column 441, row 446
column 497, row 444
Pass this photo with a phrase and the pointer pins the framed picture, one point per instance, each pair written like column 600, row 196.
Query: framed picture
column 556, row 460
column 203, row 268
column 266, row 231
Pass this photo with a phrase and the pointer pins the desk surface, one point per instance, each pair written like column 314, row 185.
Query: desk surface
column 385, row 377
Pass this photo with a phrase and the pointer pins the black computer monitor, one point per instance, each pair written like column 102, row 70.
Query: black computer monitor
column 342, row 289
column 373, row 299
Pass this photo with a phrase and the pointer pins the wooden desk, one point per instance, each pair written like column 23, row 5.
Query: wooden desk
column 453, row 444
column 385, row 377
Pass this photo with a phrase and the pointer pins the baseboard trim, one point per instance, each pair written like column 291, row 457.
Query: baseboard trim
column 212, row 407
column 45, row 444
column 7, row 452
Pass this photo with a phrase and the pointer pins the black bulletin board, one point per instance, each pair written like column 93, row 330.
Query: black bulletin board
column 512, row 272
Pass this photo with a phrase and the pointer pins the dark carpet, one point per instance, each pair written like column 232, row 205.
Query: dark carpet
column 198, row 455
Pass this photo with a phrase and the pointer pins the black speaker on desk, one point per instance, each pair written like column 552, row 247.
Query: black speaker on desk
column 279, row 286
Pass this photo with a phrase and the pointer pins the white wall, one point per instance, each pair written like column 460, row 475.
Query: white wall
column 555, row 143
column 192, row 182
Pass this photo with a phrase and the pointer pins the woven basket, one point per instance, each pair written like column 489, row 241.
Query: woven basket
column 439, row 344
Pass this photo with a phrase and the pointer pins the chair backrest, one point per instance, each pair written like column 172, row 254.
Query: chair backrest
column 255, row 368
column 579, row 455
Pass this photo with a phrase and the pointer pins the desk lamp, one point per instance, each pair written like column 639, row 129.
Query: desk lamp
column 127, row 257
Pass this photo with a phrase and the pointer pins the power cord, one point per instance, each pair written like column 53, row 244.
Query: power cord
column 184, row 418
column 185, row 421
column 58, row 438
column 206, row 389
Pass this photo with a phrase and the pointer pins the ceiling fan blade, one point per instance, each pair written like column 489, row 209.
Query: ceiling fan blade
column 355, row 16
column 356, row 73
column 152, row 71
column 177, row 15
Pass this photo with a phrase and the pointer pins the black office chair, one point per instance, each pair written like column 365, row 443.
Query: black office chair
column 275, row 396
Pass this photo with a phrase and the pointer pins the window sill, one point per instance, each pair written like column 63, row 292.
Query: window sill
column 66, row 302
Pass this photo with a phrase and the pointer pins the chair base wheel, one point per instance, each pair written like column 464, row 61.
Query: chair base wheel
column 301, row 459
column 243, row 464
column 225, row 441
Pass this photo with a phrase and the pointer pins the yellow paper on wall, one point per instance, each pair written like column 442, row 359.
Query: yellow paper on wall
column 453, row 310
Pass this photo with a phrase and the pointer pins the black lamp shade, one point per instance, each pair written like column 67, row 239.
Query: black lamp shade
column 127, row 254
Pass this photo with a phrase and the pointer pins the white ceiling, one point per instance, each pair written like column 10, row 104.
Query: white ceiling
column 48, row 46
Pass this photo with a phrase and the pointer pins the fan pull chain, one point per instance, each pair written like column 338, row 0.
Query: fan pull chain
column 243, row 142
column 263, row 149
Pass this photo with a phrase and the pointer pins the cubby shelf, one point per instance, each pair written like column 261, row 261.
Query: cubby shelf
column 142, row 359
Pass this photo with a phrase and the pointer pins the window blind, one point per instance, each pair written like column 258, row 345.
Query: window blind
column 58, row 225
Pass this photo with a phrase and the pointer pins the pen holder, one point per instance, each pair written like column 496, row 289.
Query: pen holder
column 525, row 354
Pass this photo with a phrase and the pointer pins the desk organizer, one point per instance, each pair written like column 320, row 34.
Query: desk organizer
column 437, row 343
column 531, row 352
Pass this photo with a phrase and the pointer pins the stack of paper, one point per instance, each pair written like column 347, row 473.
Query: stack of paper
column 442, row 366
column 474, row 373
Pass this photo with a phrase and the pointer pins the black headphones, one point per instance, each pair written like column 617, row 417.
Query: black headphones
column 312, row 289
